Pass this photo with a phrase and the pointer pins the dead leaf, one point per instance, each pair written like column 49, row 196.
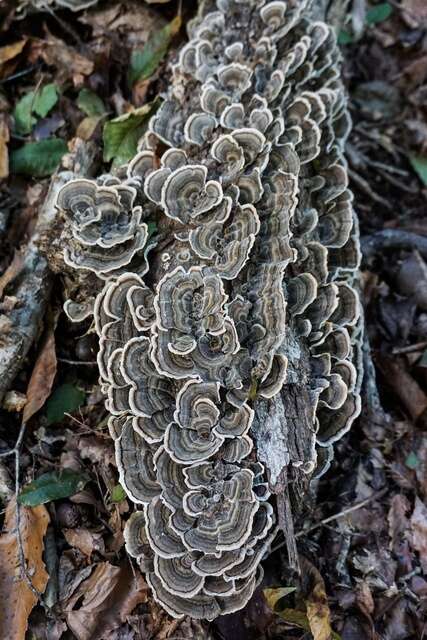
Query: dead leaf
column 274, row 595
column 421, row 468
column 134, row 17
column 12, row 271
column 42, row 377
column 318, row 613
column 84, row 540
column 414, row 73
column 109, row 595
column 97, row 451
column 364, row 598
column 316, row 601
column 419, row 531
column 16, row 597
column 68, row 62
column 316, row 617
column 4, row 152
column 398, row 522
column 70, row 575
column 414, row 12
column 9, row 52
column 404, row 385
column 87, row 127
column 14, row 401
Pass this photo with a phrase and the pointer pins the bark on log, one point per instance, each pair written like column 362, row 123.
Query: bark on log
column 32, row 286
column 254, row 219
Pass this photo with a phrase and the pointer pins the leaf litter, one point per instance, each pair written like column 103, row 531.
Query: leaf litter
column 97, row 75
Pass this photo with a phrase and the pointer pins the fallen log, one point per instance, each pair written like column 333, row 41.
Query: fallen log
column 31, row 286
column 230, row 336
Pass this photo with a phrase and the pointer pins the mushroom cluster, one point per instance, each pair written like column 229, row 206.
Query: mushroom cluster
column 43, row 5
column 252, row 287
column 106, row 227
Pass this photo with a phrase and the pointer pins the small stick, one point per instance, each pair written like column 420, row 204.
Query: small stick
column 87, row 363
column 410, row 348
column 393, row 239
column 364, row 186
column 355, row 507
column 16, row 451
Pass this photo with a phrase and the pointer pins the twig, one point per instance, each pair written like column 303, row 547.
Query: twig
column 393, row 239
column 365, row 186
column 20, row 74
column 87, row 363
column 411, row 348
column 343, row 513
column 17, row 448
column 16, row 451
column 67, row 27
column 336, row 516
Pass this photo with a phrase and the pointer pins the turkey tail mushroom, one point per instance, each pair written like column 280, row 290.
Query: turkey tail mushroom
column 231, row 355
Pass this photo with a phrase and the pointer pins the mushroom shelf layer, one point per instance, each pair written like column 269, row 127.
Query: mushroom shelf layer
column 243, row 302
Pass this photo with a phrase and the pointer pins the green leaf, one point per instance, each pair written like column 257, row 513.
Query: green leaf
column 45, row 100
column 379, row 13
column 151, row 228
column 345, row 38
column 122, row 134
column 52, row 486
column 118, row 493
column 38, row 159
column 90, row 103
column 144, row 62
column 412, row 461
column 419, row 163
column 39, row 103
column 65, row 399
column 24, row 121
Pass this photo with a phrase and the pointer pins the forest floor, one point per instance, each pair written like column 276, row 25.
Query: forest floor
column 363, row 543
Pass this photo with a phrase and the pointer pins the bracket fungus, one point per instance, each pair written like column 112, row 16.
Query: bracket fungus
column 106, row 227
column 232, row 358
column 43, row 5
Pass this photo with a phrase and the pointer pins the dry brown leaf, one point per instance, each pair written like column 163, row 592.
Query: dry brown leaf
column 405, row 386
column 414, row 73
column 14, row 401
column 415, row 12
column 132, row 17
column 9, row 52
column 4, row 153
column 109, row 595
column 68, row 62
column 364, row 598
column 419, row 531
column 42, row 377
column 318, row 613
column 12, row 271
column 16, row 597
column 84, row 540
column 398, row 522
column 87, row 127
column 421, row 468
column 316, row 601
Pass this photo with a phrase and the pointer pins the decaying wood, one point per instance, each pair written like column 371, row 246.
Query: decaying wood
column 22, row 325
column 240, row 317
